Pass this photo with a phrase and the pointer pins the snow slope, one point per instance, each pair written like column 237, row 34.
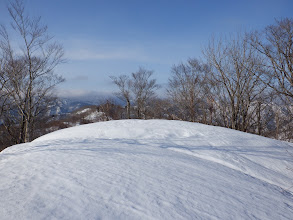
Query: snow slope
column 147, row 169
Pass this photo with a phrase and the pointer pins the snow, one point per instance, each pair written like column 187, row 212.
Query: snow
column 92, row 114
column 83, row 111
column 147, row 169
column 95, row 116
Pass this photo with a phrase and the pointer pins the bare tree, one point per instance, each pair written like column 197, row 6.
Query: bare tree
column 237, row 72
column 159, row 108
column 138, row 88
column 27, row 72
column 143, row 89
column 124, row 85
column 275, row 43
column 3, row 93
column 186, row 87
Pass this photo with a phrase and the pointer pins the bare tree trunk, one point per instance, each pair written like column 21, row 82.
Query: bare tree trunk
column 128, row 109
column 277, row 121
column 258, row 112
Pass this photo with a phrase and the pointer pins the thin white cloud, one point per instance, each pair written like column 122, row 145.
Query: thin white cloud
column 94, row 50
column 85, row 54
column 71, row 93
column 81, row 93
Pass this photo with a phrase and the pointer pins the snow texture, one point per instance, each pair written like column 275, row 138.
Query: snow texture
column 147, row 169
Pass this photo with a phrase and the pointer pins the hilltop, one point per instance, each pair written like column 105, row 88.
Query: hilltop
column 147, row 169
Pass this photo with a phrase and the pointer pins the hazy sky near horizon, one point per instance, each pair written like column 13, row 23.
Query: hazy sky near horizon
column 107, row 37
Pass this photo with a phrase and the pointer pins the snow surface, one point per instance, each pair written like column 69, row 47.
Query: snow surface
column 83, row 111
column 147, row 169
column 95, row 116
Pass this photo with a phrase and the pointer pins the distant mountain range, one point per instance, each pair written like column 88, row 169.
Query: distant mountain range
column 64, row 106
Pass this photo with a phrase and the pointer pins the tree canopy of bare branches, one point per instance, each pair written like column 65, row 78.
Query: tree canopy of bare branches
column 275, row 44
column 186, row 88
column 124, row 85
column 138, row 86
column 27, row 71
column 143, row 89
column 237, row 72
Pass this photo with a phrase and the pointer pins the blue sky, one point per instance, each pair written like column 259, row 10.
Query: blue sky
column 107, row 37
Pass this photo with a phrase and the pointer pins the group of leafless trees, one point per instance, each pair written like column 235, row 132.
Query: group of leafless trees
column 138, row 89
column 245, row 83
column 28, row 57
column 252, row 75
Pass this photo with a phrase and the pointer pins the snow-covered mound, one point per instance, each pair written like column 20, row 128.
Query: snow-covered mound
column 147, row 169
